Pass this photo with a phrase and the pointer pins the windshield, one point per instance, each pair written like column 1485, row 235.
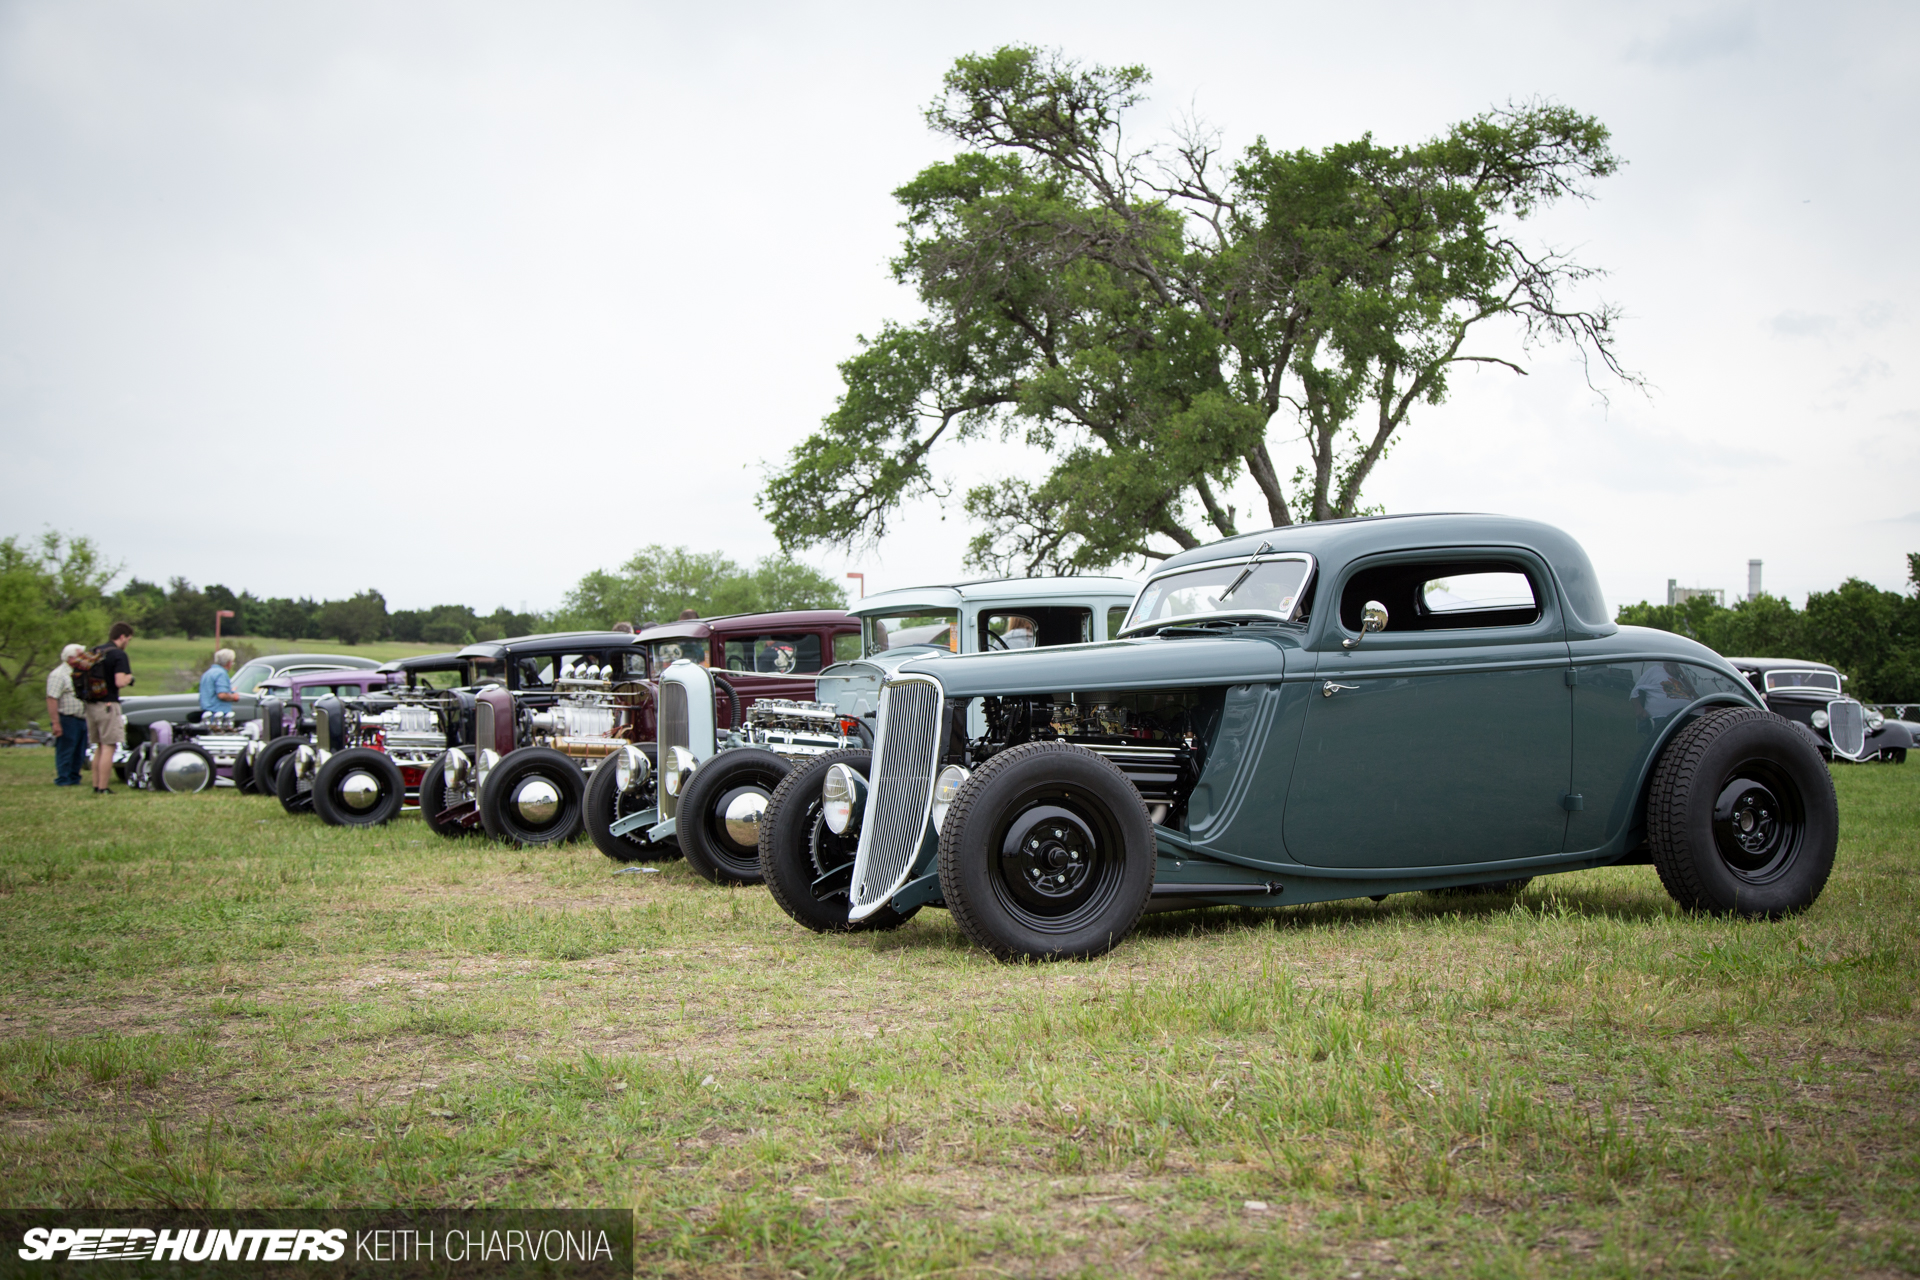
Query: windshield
column 913, row 626
column 249, row 676
column 1826, row 680
column 1264, row 588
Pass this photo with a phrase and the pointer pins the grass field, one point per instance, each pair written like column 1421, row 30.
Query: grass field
column 208, row 1003
column 172, row 664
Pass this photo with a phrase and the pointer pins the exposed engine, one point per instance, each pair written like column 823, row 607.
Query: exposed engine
column 797, row 729
column 591, row 715
column 1155, row 738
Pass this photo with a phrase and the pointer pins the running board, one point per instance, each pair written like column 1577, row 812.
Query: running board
column 1177, row 889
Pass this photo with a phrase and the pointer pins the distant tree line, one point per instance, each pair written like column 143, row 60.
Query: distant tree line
column 180, row 608
column 56, row 589
column 1870, row 634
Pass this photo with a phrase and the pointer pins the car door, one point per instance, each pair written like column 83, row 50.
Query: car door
column 1446, row 738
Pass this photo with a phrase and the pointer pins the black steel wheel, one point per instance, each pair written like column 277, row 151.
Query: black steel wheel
column 443, row 817
column 1047, row 853
column 266, row 764
column 808, row 868
column 1741, row 816
column 182, row 767
column 717, row 820
column 607, row 804
column 294, row 792
column 359, row 787
column 532, row 797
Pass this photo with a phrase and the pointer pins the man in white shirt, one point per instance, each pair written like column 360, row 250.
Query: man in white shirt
column 68, row 716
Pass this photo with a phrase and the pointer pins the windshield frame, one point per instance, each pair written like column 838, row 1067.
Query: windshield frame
column 956, row 628
column 1130, row 628
column 1835, row 690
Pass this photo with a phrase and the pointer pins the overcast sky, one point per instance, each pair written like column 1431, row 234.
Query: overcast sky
column 460, row 301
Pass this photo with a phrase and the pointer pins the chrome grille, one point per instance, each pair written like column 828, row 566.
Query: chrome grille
column 673, row 733
column 905, row 757
column 483, row 726
column 1847, row 727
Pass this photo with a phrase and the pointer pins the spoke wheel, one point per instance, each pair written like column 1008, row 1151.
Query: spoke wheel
column 607, row 804
column 808, row 868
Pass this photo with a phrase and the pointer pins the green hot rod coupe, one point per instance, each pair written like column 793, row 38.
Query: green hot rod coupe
column 1344, row 709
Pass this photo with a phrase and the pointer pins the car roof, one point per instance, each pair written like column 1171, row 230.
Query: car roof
column 1335, row 543
column 736, row 623
column 952, row 595
column 550, row 642
column 426, row 662
column 341, row 661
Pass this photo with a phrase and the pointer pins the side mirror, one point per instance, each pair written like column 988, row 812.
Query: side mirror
column 1373, row 617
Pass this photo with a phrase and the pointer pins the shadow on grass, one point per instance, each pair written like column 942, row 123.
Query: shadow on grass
column 1543, row 901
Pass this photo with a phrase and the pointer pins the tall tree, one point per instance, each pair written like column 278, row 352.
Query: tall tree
column 52, row 594
column 1164, row 326
column 656, row 583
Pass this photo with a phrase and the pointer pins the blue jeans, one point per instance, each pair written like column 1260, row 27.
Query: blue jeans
column 69, row 751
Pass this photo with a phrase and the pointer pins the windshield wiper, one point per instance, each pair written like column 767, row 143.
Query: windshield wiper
column 1247, row 572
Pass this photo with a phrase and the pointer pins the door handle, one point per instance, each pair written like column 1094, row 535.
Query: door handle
column 1328, row 689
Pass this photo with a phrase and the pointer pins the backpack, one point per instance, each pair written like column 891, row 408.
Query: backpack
column 90, row 682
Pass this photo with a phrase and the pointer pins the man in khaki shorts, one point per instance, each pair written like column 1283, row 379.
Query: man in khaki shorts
column 106, row 726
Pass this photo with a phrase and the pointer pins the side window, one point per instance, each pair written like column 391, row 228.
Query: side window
column 1034, row 627
column 1444, row 595
column 1461, row 592
column 796, row 654
column 1116, row 618
column 846, row 646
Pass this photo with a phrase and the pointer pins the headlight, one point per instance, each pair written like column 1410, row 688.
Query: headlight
column 1819, row 719
column 631, row 769
column 1875, row 721
column 304, row 762
column 680, row 767
column 945, row 788
column 842, row 797
column 454, row 773
column 484, row 765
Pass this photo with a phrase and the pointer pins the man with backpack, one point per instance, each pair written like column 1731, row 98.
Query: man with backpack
column 100, row 685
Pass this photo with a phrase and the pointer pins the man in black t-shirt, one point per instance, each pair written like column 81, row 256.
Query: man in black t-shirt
column 106, row 726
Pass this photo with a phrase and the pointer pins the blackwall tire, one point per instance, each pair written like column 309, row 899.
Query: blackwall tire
column 182, row 768
column 534, row 796
column 287, row 789
column 1047, row 853
column 807, row 868
column 241, row 771
column 727, row 794
column 359, row 787
column 605, row 806
column 433, row 802
column 266, row 765
column 1741, row 816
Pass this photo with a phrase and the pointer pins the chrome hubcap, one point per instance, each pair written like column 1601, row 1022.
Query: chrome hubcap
column 360, row 791
column 185, row 772
column 742, row 818
column 537, row 801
